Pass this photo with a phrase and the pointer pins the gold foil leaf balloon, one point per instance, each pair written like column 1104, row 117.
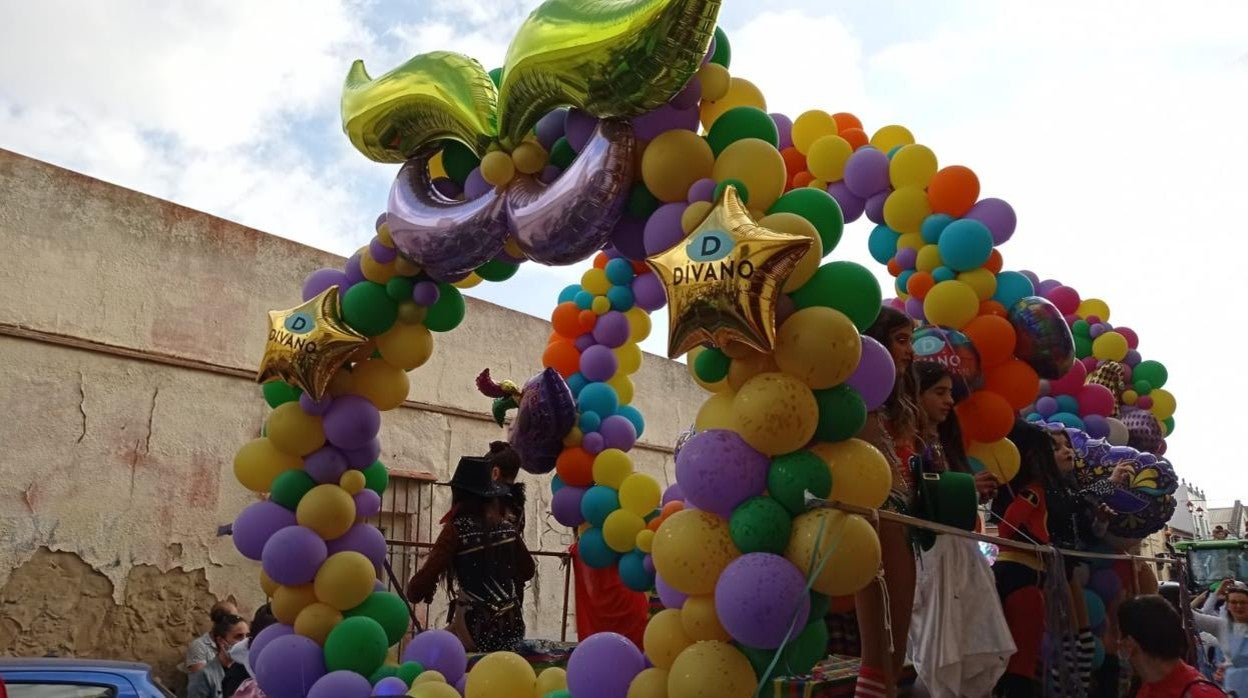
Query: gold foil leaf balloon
column 724, row 279
column 431, row 97
column 1110, row 375
column 612, row 58
column 307, row 344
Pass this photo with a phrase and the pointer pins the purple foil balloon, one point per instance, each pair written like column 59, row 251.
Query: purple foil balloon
column 546, row 413
column 448, row 188
column 718, row 470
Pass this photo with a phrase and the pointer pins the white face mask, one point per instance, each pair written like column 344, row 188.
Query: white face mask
column 239, row 651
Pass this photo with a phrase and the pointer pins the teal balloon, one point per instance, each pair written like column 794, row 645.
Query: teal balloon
column 882, row 243
column 845, row 286
column 1152, row 371
column 584, row 299
column 568, row 294
column 740, row 123
column 793, row 474
column 965, row 244
column 1011, row 287
column 1098, row 653
column 619, row 272
column 933, row 226
column 594, row 550
column 279, row 393
column 556, row 484
column 945, row 274
column 597, row 504
column 633, row 571
column 902, row 279
column 621, row 298
column 356, row 644
column 760, row 525
column 818, row 207
column 1096, row 607
column 842, row 413
column 633, row 415
column 600, row 398
column 390, row 612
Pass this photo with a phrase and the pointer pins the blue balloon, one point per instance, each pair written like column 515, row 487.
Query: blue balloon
column 598, row 503
column 590, row 421
column 902, row 279
column 556, row 484
column 1068, row 419
column 621, row 298
column 633, row 571
column 965, row 244
column 619, row 272
column 633, row 415
column 1067, row 403
column 577, row 382
column 933, row 226
column 1098, row 653
column 1034, row 417
column 882, row 243
column 1096, row 607
column 893, row 152
column 1011, row 288
column 600, row 398
column 594, row 550
column 569, row 293
column 584, row 300
column 944, row 274
column 977, row 466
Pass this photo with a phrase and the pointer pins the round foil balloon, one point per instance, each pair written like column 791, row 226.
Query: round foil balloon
column 1143, row 429
column 1044, row 339
column 953, row 351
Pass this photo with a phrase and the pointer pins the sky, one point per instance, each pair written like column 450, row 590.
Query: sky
column 1109, row 126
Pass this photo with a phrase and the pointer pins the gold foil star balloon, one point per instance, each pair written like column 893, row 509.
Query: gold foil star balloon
column 308, row 344
column 724, row 279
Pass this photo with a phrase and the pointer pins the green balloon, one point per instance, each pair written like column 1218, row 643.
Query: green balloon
column 561, row 693
column 376, row 477
column 806, row 650
column 740, row 123
column 723, row 50
column 818, row 207
column 356, row 644
column 1081, row 328
column 712, row 365
column 385, row 671
column 793, row 474
column 458, row 161
column 820, row 604
column 641, row 203
column 737, row 184
column 1142, row 387
column 496, row 270
column 290, row 486
column 279, row 393
column 448, row 312
column 561, row 153
column 1083, row 345
column 400, row 288
column 842, row 413
column 1152, row 371
column 760, row 525
column 760, row 659
column 1169, row 422
column 845, row 286
column 390, row 612
column 408, row 671
column 368, row 308
column 496, row 76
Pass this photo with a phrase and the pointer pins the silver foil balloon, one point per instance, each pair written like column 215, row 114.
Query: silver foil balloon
column 573, row 217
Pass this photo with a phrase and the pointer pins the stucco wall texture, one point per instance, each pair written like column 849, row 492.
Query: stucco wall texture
column 128, row 329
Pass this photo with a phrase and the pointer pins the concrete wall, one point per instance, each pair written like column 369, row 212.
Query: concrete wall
column 129, row 327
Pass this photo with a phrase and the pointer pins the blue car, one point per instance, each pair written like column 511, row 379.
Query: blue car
column 78, row 678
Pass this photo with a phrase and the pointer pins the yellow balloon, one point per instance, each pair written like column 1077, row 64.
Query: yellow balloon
column 665, row 638
column 500, row 675
column 1164, row 404
column 827, row 157
column 620, row 530
column 406, row 346
column 1001, row 458
column 1129, row 397
column 574, row 437
column 611, row 467
column 410, row 314
column 384, row 385
column 628, row 358
column 352, row 482
column 624, row 387
column 1110, row 346
column 497, row 168
column 529, row 157
column 373, row 270
column 700, row 620
column 982, row 281
column 860, row 473
column 756, row 164
column 673, row 161
column 748, row 365
column 694, row 215
column 645, row 540
column 928, row 259
column 316, row 620
column 691, row 548
column 258, row 463
column 429, row 676
column 289, row 601
column 819, row 346
column 595, row 281
column 776, row 413
column 716, row 412
column 640, row 494
column 650, row 683
column 715, row 81
column 889, row 137
column 794, row 224
column 906, row 208
column 600, row 305
column 328, row 510
column 846, row 545
column 406, row 267
column 951, row 303
column 711, row 670
column 436, row 169
column 638, row 325
column 469, row 281
column 1093, row 307
column 809, row 127
column 293, row 431
column 267, row 585
column 741, row 93
column 551, row 679
column 913, row 241
column 912, row 166
column 345, row 580
column 432, row 690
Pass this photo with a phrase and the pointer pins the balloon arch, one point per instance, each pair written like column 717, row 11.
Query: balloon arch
column 729, row 228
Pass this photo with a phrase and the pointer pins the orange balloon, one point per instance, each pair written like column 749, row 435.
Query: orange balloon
column 894, row 267
column 586, row 319
column 1015, row 381
column 564, row 320
column 845, row 120
column 794, row 161
column 995, row 262
column 575, row 466
column 801, row 179
column 993, row 308
column 600, row 261
column 671, row 508
column 841, row 604
column 856, row 137
column 920, row 283
column 985, row 416
column 953, row 190
column 563, row 357
column 993, row 338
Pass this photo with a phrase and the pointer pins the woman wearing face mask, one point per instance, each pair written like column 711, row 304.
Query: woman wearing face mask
column 208, row 682
column 238, row 678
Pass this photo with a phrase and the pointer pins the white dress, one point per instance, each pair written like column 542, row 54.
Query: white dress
column 959, row 641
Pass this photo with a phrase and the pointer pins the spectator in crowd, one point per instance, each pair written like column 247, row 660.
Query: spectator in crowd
column 1153, row 642
column 202, row 649
column 1219, row 533
column 247, row 687
column 209, row 682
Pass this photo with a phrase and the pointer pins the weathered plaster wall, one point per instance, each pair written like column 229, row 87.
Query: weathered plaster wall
column 124, row 322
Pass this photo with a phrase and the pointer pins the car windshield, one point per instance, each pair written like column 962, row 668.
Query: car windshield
column 1210, row 566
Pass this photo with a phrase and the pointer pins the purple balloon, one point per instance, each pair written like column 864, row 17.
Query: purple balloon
column 673, row 493
column 629, row 238
column 362, row 538
column 603, row 665
column 290, row 666
column 1106, row 584
column 367, row 503
column 647, row 563
column 256, row 524
column 702, row 190
column 566, row 506
column 462, row 685
column 874, row 207
column 907, row 256
column 390, row 686
column 852, row 205
column 425, row 293
column 593, row 443
column 549, row 174
column 618, row 432
column 578, row 126
column 1046, row 406
column 440, row 651
column 1044, row 288
column 866, row 173
column 598, row 363
column 321, row 279
column 670, row 597
column 1096, row 426
column 585, row 341
column 760, row 599
column 1031, row 276
column 997, row 215
column 648, row 126
column 546, row 413
column 475, row 185
column 293, row 555
column 352, row 422
column 325, row 465
column 341, row 684
column 663, row 228
column 717, row 470
column 710, row 52
column 784, row 127
column 380, row 253
column 648, row 292
column 1133, row 358
column 447, row 187
column 550, row 127
column 364, row 456
column 914, row 308
column 352, row 270
column 612, row 329
column 262, row 640
column 689, row 97
column 316, row 408
column 875, row 375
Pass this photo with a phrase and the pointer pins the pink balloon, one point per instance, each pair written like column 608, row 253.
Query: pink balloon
column 1096, row 399
column 1065, row 298
column 1072, row 382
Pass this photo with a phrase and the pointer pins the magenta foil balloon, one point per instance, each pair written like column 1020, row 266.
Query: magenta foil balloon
column 546, row 414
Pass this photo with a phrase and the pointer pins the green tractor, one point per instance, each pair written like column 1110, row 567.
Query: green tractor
column 1211, row 561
